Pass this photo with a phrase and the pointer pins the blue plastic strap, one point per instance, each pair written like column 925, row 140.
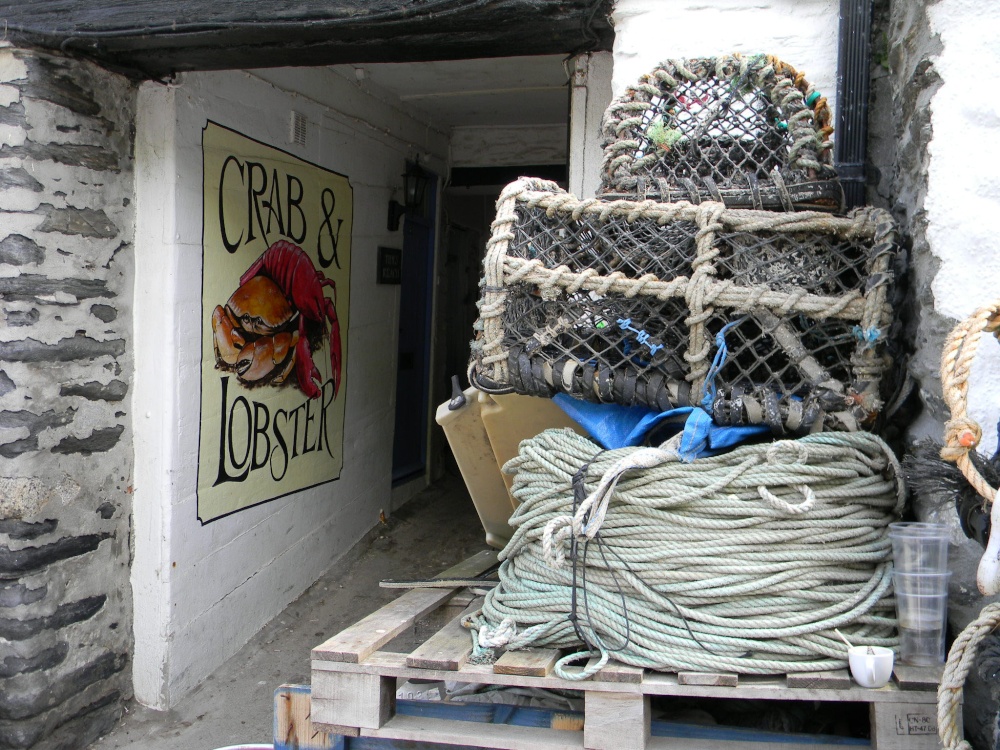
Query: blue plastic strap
column 721, row 353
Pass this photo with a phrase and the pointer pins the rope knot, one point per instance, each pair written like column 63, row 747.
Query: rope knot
column 783, row 506
column 554, row 537
column 787, row 452
column 499, row 636
column 960, row 436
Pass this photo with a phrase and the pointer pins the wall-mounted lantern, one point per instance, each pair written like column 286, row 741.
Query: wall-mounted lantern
column 415, row 181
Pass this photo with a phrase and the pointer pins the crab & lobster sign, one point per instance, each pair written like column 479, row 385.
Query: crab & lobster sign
column 275, row 320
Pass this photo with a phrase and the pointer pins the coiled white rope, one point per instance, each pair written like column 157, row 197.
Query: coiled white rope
column 744, row 562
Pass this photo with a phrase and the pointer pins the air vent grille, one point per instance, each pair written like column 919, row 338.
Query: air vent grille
column 297, row 133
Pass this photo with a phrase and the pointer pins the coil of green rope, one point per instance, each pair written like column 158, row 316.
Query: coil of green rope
column 744, row 562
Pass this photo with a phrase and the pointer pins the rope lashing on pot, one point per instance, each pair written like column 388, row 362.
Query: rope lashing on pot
column 744, row 562
column 960, row 660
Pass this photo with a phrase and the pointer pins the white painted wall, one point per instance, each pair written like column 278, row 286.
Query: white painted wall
column 590, row 96
column 803, row 33
column 963, row 193
column 202, row 591
column 506, row 145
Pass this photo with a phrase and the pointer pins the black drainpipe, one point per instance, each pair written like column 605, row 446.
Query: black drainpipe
column 853, row 71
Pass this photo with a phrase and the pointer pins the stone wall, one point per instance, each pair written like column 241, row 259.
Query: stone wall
column 925, row 155
column 65, row 368
column 803, row 33
column 904, row 81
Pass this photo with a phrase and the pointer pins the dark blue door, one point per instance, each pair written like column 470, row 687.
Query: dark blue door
column 409, row 446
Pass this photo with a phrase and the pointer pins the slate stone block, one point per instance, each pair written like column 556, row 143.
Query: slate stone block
column 116, row 390
column 29, row 559
column 16, row 529
column 44, row 659
column 30, row 697
column 79, row 347
column 16, row 249
column 18, row 594
column 98, row 441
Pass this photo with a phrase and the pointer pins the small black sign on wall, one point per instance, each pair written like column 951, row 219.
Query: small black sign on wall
column 390, row 265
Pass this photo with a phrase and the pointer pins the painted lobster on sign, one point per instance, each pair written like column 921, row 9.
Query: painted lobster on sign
column 266, row 327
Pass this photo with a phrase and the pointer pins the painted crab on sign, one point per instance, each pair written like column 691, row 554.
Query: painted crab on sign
column 276, row 319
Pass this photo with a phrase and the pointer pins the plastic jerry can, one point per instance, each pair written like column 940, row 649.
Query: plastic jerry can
column 484, row 433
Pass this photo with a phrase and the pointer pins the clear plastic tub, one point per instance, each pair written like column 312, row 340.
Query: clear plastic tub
column 921, row 648
column 920, row 584
column 922, row 628
column 919, row 547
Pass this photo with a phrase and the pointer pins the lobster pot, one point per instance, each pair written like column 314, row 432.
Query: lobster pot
column 763, row 317
column 747, row 131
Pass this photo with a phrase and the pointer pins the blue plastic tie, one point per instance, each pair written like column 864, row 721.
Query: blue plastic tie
column 867, row 336
column 718, row 362
column 642, row 336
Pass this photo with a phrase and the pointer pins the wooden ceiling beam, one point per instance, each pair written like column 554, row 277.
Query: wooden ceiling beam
column 179, row 35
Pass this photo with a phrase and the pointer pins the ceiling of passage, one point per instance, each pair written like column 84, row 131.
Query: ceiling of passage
column 499, row 92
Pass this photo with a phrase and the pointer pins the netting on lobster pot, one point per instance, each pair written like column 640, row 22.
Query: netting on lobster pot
column 747, row 131
column 763, row 317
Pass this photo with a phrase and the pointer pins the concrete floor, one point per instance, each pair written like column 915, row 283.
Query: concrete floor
column 233, row 706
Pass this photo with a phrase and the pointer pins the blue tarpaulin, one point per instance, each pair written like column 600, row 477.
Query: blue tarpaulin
column 615, row 426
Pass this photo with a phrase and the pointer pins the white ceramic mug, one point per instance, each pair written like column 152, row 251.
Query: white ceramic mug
column 871, row 666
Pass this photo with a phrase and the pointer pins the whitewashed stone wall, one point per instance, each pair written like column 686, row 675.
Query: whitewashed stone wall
column 66, row 218
column 935, row 159
column 963, row 184
column 803, row 33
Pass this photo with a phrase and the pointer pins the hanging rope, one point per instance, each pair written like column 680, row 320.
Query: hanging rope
column 744, row 562
column 962, row 433
column 956, row 669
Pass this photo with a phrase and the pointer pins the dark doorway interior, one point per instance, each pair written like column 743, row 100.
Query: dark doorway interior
column 409, row 444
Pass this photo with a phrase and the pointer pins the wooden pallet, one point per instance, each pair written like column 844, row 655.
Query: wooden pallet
column 354, row 688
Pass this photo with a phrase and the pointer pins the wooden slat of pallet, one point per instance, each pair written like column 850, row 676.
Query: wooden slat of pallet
column 917, row 678
column 708, row 678
column 357, row 642
column 774, row 688
column 617, row 672
column 837, row 678
column 507, row 737
column 394, row 664
column 500, row 736
column 653, row 683
column 691, row 743
column 449, row 648
column 531, row 662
